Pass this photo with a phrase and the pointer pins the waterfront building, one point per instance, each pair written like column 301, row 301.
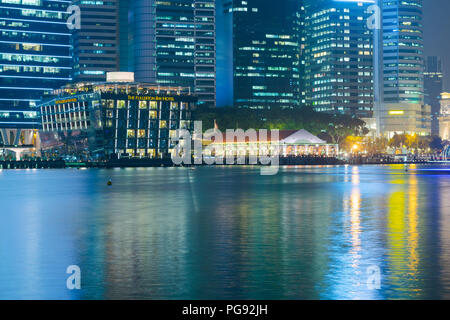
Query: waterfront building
column 433, row 85
column 444, row 119
column 258, row 53
column 34, row 57
column 114, row 119
column 403, row 109
column 288, row 143
column 338, row 57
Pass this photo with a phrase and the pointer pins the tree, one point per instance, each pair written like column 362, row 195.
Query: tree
column 436, row 144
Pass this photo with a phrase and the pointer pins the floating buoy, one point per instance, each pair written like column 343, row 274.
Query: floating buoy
column 109, row 182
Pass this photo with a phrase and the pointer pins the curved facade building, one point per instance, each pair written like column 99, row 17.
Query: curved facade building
column 34, row 58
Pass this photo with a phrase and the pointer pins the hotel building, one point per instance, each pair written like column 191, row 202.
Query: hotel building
column 114, row 119
column 338, row 57
column 258, row 53
column 34, row 57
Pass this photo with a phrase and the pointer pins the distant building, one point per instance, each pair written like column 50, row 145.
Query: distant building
column 258, row 53
column 338, row 57
column 34, row 57
column 433, row 85
column 444, row 119
column 114, row 119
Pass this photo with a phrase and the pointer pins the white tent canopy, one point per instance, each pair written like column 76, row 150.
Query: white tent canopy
column 302, row 137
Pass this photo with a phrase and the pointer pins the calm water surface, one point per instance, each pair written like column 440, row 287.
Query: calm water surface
column 226, row 233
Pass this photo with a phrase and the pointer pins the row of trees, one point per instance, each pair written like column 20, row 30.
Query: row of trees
column 332, row 128
column 373, row 146
column 346, row 131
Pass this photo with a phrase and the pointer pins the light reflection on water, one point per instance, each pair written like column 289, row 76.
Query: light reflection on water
column 226, row 233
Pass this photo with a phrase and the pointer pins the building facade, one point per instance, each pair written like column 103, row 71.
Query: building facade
column 433, row 86
column 338, row 57
column 116, row 119
column 258, row 52
column 34, row 57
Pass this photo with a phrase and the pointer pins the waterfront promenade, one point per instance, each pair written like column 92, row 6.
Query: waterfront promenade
column 147, row 163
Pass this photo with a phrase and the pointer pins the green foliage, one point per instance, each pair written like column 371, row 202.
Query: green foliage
column 332, row 128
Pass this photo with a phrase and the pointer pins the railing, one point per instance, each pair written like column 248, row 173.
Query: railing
column 446, row 153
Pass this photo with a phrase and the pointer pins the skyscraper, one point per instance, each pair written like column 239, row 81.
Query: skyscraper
column 338, row 57
column 96, row 43
column 186, row 46
column 34, row 58
column 171, row 43
column 258, row 53
column 433, row 86
column 403, row 109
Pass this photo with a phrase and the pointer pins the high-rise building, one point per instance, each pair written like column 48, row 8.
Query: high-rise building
column 403, row 51
column 433, row 86
column 338, row 57
column 170, row 43
column 96, row 43
column 186, row 46
column 403, row 109
column 258, row 53
column 34, row 58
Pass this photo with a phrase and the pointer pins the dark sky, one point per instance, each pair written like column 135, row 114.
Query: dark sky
column 437, row 33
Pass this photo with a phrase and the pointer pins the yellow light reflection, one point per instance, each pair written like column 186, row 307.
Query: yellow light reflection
column 403, row 235
column 355, row 229
column 413, row 235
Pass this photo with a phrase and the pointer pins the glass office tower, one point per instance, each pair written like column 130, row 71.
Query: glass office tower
column 258, row 53
column 403, row 109
column 186, row 46
column 34, row 58
column 96, row 43
column 171, row 43
column 403, row 51
column 338, row 57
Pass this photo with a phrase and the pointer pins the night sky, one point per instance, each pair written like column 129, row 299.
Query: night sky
column 437, row 33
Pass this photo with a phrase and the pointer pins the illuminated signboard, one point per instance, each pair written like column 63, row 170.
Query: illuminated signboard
column 65, row 101
column 396, row 112
column 150, row 98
